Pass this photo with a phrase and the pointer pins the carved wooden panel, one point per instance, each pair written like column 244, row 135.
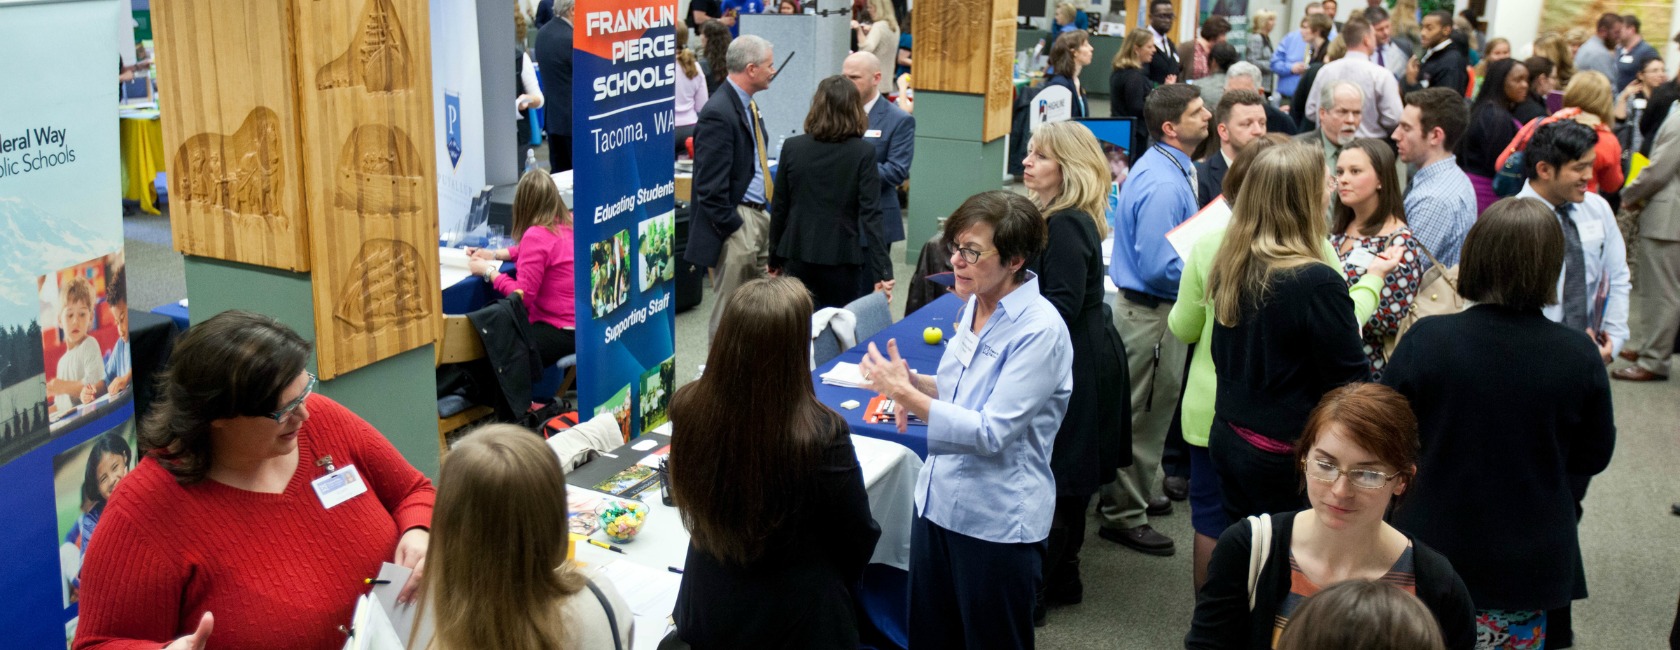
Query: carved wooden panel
column 366, row 102
column 230, row 131
column 968, row 46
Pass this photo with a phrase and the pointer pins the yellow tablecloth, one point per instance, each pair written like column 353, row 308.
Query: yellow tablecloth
column 142, row 159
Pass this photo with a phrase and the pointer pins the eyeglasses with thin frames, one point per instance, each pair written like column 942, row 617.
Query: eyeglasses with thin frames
column 1327, row 472
column 969, row 255
column 280, row 415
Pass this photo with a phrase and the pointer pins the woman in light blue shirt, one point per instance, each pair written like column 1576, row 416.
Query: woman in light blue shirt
column 986, row 496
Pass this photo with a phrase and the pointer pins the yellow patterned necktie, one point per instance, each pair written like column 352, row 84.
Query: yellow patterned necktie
column 763, row 158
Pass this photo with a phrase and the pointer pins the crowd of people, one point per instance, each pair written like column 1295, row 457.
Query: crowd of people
column 1274, row 374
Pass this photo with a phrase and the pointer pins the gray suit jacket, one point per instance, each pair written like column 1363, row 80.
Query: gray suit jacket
column 1657, row 185
column 893, row 133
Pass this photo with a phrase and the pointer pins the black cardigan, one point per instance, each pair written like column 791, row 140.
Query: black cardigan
column 1513, row 411
column 1283, row 357
column 1492, row 127
column 1223, row 620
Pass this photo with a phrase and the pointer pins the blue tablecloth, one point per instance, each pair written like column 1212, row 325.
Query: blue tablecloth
column 176, row 312
column 924, row 358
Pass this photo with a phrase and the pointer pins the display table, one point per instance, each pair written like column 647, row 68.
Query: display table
column 889, row 478
column 141, row 145
column 175, row 311
column 151, row 338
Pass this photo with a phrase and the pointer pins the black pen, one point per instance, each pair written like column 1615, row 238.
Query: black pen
column 375, row 581
column 673, row 569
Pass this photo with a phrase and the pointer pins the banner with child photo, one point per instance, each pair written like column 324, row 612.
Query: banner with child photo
column 66, row 398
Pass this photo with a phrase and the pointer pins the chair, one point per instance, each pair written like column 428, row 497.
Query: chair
column 873, row 315
column 568, row 365
column 459, row 343
column 824, row 346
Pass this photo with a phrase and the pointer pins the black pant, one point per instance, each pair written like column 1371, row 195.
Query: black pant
column 552, row 342
column 559, row 153
column 1067, row 536
column 970, row 593
column 1253, row 481
column 1175, row 456
column 831, row 285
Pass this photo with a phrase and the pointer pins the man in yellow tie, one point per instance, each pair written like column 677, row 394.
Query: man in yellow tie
column 729, row 225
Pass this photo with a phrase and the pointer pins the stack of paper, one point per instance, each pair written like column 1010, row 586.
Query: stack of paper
column 651, row 595
column 844, row 374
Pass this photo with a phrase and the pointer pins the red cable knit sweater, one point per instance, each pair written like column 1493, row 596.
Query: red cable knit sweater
column 277, row 570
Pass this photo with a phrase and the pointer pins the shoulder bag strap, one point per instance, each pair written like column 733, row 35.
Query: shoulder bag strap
column 1434, row 263
column 1260, row 550
column 606, row 606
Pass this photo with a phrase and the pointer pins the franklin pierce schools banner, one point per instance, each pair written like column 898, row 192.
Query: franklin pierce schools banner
column 66, row 409
column 623, row 99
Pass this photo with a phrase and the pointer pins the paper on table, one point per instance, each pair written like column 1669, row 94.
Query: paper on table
column 1212, row 218
column 649, row 592
column 390, row 582
column 452, row 264
column 844, row 374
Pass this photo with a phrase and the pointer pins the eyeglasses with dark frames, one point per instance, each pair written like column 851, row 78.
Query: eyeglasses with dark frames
column 280, row 415
column 1323, row 470
column 969, row 255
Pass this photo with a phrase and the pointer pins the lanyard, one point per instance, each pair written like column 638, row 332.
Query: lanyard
column 1180, row 166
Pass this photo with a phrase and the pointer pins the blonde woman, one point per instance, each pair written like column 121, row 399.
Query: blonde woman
column 878, row 35
column 497, row 573
column 1129, row 84
column 691, row 92
column 1284, row 334
column 1067, row 17
column 1588, row 100
column 543, row 265
column 1068, row 176
column 1260, row 49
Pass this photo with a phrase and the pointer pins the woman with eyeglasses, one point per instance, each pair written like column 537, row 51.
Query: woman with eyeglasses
column 259, row 508
column 986, row 496
column 1358, row 455
column 1516, row 417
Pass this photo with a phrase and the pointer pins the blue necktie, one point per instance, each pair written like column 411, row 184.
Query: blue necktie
column 1574, row 273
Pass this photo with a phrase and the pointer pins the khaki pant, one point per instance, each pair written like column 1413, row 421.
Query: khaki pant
column 1156, row 360
column 744, row 257
column 1656, row 303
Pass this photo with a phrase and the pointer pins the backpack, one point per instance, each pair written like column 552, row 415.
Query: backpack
column 1509, row 180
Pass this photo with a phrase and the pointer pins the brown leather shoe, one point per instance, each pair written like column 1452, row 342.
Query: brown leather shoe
column 1142, row 539
column 1636, row 373
column 1629, row 354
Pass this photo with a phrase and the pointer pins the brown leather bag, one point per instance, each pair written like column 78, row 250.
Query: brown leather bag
column 1437, row 295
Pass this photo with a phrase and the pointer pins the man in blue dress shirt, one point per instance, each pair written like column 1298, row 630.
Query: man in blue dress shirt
column 1440, row 203
column 1159, row 194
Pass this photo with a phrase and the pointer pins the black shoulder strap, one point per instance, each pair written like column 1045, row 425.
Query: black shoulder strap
column 606, row 606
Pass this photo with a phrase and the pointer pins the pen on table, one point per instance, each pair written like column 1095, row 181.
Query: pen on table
column 605, row 545
column 673, row 569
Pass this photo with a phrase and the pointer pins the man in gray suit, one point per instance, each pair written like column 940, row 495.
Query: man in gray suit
column 1656, row 299
column 891, row 130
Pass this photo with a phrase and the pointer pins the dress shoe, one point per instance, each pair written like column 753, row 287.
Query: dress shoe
column 1176, row 488
column 1636, row 373
column 1041, row 616
column 1142, row 539
column 1159, row 507
column 1069, row 592
column 1676, row 509
column 1629, row 354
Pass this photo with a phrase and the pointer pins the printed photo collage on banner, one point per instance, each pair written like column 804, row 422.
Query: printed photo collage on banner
column 67, row 435
column 624, row 206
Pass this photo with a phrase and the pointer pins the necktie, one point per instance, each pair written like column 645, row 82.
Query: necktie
column 1380, row 60
column 764, row 158
column 1574, row 273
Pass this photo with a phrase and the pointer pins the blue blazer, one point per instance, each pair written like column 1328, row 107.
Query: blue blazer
column 893, row 132
column 554, row 63
column 1078, row 97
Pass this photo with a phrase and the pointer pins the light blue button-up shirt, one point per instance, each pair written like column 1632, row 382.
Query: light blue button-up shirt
column 1603, row 258
column 1440, row 209
column 755, row 189
column 1159, row 194
column 991, row 430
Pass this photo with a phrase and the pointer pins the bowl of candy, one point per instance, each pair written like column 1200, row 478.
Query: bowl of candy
column 622, row 520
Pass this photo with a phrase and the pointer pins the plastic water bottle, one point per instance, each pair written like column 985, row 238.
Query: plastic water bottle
column 530, row 160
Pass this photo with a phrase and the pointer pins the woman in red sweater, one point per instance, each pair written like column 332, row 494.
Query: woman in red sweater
column 257, row 501
column 542, row 265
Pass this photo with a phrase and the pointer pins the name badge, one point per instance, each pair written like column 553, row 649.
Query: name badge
column 1591, row 231
column 1424, row 83
column 1627, row 58
column 339, row 486
column 964, row 345
column 872, row 133
column 1640, row 103
column 1361, row 257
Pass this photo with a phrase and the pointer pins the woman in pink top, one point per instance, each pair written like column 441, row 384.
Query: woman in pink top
column 691, row 92
column 542, row 263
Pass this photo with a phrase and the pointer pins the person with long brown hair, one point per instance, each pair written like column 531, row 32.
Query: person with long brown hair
column 1068, row 57
column 1069, row 179
column 543, row 263
column 1370, row 221
column 714, row 53
column 768, row 485
column 827, row 200
column 692, row 92
column 1357, row 455
column 1365, row 614
column 1129, row 85
column 1284, row 333
column 499, row 573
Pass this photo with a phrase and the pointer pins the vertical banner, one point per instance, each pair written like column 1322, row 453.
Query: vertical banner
column 458, row 101
column 623, row 99
column 66, row 411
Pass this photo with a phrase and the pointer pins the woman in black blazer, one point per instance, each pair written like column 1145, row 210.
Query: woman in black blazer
column 1069, row 179
column 1515, row 410
column 1068, row 57
column 769, row 487
column 825, row 218
column 1129, row 85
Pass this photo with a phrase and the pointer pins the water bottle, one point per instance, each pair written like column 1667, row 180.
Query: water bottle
column 530, row 160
